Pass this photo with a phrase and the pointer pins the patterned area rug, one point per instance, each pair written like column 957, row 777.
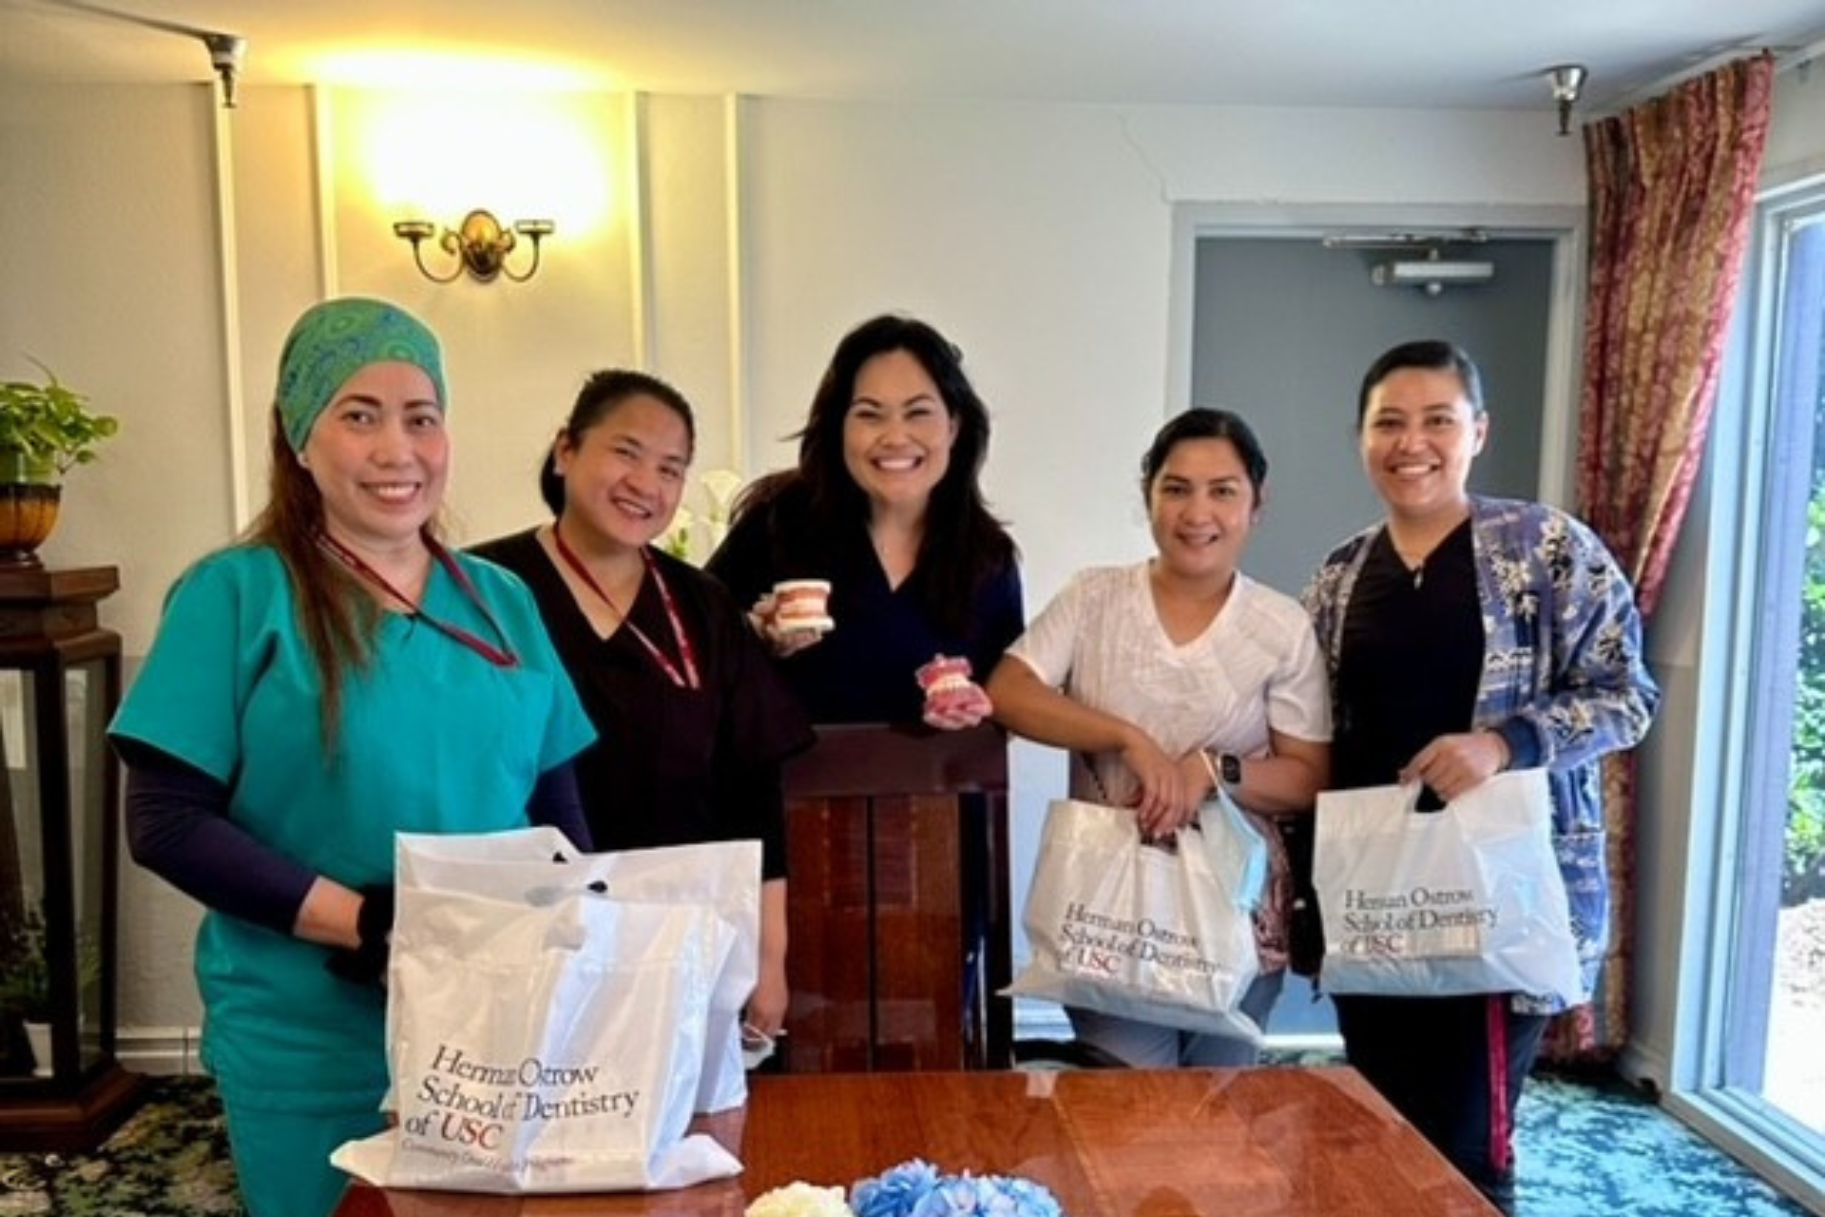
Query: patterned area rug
column 1587, row 1149
column 170, row 1158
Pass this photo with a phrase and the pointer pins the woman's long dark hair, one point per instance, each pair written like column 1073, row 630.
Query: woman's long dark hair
column 963, row 543
column 338, row 616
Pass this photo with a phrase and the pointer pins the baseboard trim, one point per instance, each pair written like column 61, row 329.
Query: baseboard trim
column 159, row 1050
column 1646, row 1066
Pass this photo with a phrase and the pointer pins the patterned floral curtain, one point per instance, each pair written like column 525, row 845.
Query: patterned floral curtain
column 1672, row 193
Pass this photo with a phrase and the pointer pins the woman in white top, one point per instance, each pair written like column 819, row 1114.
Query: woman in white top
column 1175, row 676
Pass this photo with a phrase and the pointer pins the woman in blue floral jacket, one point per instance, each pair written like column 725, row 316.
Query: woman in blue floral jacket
column 1464, row 636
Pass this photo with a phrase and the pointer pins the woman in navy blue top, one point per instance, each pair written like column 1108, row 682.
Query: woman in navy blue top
column 884, row 504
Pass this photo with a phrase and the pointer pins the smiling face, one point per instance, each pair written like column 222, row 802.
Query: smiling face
column 623, row 476
column 1419, row 436
column 897, row 433
column 380, row 456
column 1202, row 507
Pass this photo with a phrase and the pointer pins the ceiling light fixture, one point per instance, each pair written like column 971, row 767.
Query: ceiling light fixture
column 481, row 245
column 1432, row 273
column 1567, row 81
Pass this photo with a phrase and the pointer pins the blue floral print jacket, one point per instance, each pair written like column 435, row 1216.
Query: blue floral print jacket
column 1563, row 678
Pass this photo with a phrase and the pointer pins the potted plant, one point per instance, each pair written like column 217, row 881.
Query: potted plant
column 25, row 983
column 46, row 429
column 25, row 977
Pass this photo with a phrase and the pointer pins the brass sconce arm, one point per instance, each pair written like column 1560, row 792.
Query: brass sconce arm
column 480, row 246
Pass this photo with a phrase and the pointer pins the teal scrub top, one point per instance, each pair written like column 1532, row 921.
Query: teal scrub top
column 434, row 739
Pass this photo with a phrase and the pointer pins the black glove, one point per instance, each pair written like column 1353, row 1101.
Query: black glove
column 367, row 963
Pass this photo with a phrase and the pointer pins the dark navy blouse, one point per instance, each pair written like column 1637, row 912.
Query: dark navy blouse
column 862, row 671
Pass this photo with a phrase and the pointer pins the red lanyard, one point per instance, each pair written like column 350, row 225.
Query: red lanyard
column 687, row 679
column 501, row 656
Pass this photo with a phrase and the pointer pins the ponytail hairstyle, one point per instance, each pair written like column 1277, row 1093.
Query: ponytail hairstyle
column 602, row 394
column 1202, row 422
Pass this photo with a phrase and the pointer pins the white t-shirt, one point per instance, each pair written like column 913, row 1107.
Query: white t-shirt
column 1256, row 666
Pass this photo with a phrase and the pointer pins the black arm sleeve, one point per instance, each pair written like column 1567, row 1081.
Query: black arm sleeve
column 757, row 792
column 178, row 828
column 557, row 801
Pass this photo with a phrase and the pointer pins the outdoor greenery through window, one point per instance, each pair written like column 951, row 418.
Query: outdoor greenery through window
column 1775, row 1057
column 1794, row 1078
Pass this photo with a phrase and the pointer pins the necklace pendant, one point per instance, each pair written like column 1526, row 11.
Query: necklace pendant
column 1419, row 575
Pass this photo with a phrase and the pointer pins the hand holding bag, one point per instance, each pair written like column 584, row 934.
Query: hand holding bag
column 1159, row 932
column 520, row 865
column 551, row 1042
column 1468, row 899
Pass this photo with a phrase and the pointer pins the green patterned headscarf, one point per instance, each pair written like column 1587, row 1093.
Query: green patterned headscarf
column 336, row 339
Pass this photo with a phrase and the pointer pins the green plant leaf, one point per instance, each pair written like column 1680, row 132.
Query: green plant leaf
column 49, row 425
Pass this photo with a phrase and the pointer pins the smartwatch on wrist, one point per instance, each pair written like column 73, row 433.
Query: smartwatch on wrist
column 1229, row 768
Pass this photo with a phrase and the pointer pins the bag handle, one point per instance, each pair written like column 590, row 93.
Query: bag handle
column 1419, row 799
column 1168, row 844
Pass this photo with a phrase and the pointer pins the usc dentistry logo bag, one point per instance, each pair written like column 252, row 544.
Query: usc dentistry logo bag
column 725, row 875
column 549, row 1042
column 1160, row 932
column 1467, row 899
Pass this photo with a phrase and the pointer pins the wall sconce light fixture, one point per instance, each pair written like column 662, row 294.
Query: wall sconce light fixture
column 480, row 245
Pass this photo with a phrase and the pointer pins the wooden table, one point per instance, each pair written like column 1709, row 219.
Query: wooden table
column 1187, row 1143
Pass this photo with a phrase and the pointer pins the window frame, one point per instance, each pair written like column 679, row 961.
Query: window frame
column 1751, row 612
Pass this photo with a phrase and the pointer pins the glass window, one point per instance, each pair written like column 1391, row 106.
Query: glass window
column 1761, row 1073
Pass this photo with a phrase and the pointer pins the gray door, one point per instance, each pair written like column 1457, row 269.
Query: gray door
column 1283, row 328
column 1282, row 331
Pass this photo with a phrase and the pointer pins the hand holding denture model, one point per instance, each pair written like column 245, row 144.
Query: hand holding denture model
column 795, row 614
column 952, row 700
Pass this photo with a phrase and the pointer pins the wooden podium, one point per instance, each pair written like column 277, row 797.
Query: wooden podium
column 897, row 840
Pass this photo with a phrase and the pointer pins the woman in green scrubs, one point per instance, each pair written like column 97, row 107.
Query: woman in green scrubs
column 336, row 677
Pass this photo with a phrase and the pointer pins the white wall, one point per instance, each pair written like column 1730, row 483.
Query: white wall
column 1796, row 137
column 108, row 237
column 1039, row 238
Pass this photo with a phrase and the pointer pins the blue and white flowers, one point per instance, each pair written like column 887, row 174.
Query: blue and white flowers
column 917, row 1189
column 913, row 1189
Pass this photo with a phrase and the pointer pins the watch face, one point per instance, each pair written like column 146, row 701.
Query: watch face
column 1230, row 766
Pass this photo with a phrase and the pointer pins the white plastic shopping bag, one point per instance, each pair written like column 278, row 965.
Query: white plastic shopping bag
column 1467, row 899
column 550, row 1045
column 1160, row 933
column 523, row 865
